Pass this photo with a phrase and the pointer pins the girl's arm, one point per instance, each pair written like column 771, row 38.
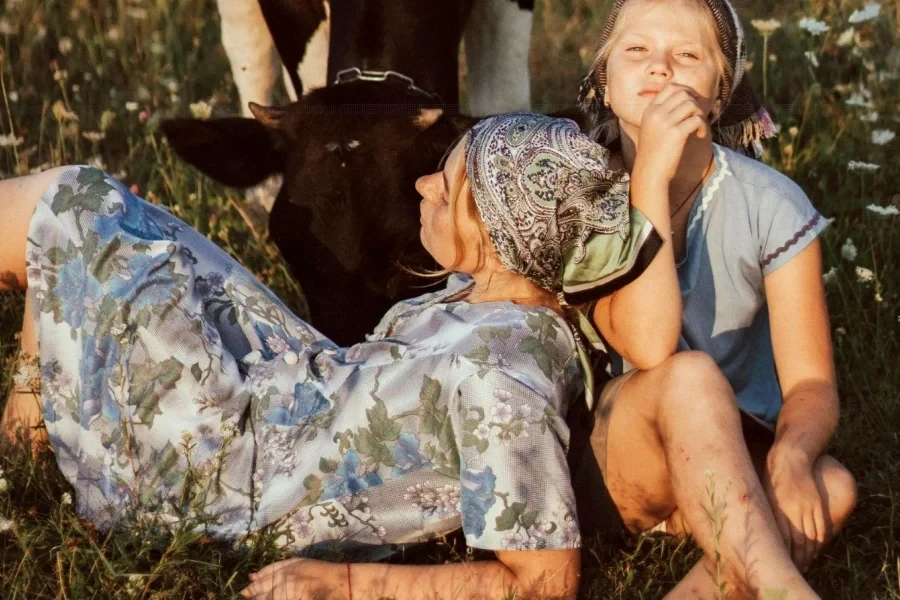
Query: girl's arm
column 801, row 341
column 544, row 574
column 642, row 321
column 809, row 416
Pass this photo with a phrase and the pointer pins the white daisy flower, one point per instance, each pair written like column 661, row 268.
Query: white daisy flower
column 882, row 136
column 66, row 499
column 813, row 26
column 871, row 117
column 65, row 45
column 848, row 251
column 866, row 13
column 858, row 165
column 884, row 211
column 830, row 275
column 846, row 37
column 6, row 524
column 864, row 275
column 93, row 136
column 201, row 110
column 10, row 141
column 766, row 27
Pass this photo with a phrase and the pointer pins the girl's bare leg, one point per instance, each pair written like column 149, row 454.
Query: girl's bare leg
column 18, row 199
column 674, row 436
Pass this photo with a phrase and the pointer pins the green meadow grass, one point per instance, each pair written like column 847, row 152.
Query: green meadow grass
column 122, row 65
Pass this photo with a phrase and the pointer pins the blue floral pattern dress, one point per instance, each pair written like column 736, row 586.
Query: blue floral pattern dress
column 175, row 385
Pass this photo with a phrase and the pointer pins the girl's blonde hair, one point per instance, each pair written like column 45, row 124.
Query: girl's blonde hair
column 608, row 130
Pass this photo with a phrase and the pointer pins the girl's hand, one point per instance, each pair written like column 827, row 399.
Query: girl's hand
column 673, row 116
column 298, row 579
column 797, row 504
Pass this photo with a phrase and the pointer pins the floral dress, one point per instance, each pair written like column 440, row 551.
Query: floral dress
column 175, row 386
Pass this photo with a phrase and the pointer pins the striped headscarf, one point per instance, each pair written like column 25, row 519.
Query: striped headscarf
column 743, row 121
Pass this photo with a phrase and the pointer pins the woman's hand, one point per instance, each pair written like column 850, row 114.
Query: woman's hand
column 673, row 116
column 299, row 579
column 798, row 506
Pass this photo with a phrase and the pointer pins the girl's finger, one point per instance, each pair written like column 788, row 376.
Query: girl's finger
column 693, row 124
column 682, row 112
column 810, row 533
column 798, row 544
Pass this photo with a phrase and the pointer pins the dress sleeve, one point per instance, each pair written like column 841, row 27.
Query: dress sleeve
column 515, row 489
column 787, row 223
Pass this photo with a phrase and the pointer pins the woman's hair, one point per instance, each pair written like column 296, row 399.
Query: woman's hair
column 706, row 24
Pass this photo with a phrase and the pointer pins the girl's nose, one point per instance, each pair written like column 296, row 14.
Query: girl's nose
column 659, row 66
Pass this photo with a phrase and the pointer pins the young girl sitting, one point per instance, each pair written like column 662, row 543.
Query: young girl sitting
column 173, row 383
column 748, row 265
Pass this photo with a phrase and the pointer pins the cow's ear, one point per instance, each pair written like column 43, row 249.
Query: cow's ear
column 235, row 151
column 427, row 117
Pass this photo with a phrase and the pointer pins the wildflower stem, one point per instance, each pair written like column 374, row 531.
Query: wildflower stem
column 766, row 67
column 12, row 129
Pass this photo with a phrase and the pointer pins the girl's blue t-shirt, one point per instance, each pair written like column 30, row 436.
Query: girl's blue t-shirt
column 748, row 221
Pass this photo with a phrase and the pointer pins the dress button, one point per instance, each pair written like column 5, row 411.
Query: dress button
column 291, row 357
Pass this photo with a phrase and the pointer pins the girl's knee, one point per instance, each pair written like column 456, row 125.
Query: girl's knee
column 695, row 377
column 840, row 489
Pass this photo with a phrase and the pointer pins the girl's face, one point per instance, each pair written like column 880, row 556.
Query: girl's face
column 449, row 233
column 661, row 45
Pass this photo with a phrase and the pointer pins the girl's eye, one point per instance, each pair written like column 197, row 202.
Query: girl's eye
column 634, row 48
column 690, row 55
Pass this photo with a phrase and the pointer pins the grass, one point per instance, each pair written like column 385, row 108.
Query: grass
column 122, row 65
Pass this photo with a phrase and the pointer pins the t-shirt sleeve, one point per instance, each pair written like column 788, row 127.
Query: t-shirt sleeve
column 515, row 489
column 788, row 223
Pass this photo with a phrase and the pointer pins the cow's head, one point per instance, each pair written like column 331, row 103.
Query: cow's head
column 350, row 155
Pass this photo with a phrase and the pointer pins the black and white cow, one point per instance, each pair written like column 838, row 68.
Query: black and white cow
column 254, row 33
column 346, row 216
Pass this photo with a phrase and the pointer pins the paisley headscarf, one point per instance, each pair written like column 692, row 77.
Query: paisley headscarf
column 743, row 121
column 555, row 212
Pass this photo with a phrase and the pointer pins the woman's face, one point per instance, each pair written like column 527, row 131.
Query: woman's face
column 661, row 45
column 445, row 222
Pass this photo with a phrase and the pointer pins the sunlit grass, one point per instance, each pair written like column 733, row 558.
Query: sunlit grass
column 88, row 81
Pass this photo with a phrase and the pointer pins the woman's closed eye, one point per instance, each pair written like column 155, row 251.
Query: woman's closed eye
column 635, row 49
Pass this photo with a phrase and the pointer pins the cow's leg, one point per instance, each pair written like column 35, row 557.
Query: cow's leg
column 313, row 69
column 497, row 38
column 250, row 50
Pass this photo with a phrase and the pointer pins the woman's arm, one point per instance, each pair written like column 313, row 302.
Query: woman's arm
column 801, row 341
column 543, row 574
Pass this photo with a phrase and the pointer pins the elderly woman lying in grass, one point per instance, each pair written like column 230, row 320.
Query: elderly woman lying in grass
column 174, row 384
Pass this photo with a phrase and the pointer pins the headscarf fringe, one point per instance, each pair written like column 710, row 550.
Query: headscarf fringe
column 748, row 133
